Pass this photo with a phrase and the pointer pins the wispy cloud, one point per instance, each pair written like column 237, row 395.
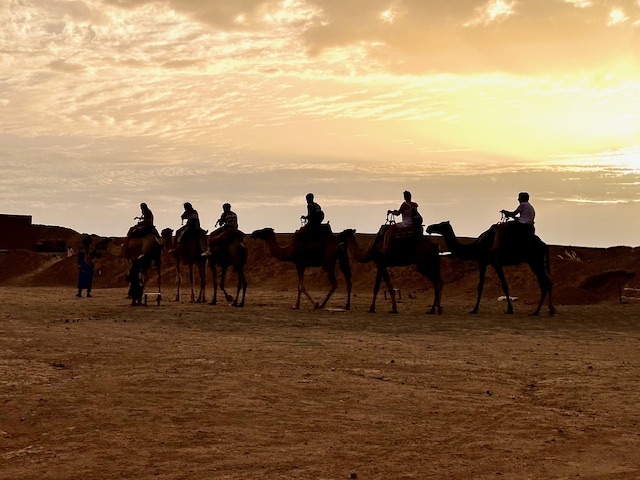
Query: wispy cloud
column 493, row 11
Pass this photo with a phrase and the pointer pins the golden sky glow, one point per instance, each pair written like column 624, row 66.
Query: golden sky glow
column 124, row 84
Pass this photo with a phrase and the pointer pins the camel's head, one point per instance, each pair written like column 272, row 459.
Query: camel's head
column 263, row 233
column 439, row 228
column 345, row 234
column 167, row 237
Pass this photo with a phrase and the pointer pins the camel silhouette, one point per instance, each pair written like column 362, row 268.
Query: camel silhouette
column 417, row 250
column 305, row 251
column 148, row 246
column 226, row 253
column 513, row 250
column 188, row 251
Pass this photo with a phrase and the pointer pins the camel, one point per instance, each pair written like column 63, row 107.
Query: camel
column 188, row 251
column 419, row 251
column 149, row 246
column 227, row 253
column 511, row 252
column 323, row 251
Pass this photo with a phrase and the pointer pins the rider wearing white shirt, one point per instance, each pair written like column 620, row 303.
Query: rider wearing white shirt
column 525, row 213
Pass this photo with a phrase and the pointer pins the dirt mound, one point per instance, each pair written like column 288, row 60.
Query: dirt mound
column 19, row 264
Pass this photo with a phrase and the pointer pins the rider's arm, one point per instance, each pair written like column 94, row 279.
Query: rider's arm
column 396, row 212
column 509, row 214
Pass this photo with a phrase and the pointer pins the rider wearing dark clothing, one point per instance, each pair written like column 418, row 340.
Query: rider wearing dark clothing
column 228, row 222
column 193, row 221
column 315, row 215
column 145, row 223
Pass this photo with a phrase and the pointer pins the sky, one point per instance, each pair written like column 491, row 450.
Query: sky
column 105, row 104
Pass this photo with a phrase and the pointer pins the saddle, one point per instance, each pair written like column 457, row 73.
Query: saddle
column 227, row 236
column 311, row 231
column 143, row 231
column 191, row 231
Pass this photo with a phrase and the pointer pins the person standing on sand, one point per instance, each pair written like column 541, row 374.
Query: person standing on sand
column 86, row 267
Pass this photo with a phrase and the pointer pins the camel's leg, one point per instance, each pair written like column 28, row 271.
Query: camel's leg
column 242, row 285
column 505, row 287
column 437, row 296
column 376, row 289
column 387, row 281
column 545, row 284
column 331, row 273
column 202, row 272
column 302, row 289
column 430, row 268
column 227, row 297
column 214, row 274
column 193, row 293
column 482, row 272
column 345, row 267
column 178, row 280
column 347, row 280
column 160, row 279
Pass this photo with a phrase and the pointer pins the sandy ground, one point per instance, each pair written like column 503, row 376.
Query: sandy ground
column 95, row 389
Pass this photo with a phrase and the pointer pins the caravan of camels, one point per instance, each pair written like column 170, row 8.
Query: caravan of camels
column 504, row 244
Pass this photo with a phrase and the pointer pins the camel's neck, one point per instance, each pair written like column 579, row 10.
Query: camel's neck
column 284, row 254
column 359, row 254
column 458, row 249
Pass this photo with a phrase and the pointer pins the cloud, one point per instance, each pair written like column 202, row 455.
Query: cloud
column 616, row 17
column 493, row 11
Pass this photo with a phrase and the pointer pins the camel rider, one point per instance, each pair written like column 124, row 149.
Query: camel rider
column 315, row 215
column 313, row 228
column 145, row 223
column 228, row 222
column 524, row 216
column 190, row 214
column 411, row 219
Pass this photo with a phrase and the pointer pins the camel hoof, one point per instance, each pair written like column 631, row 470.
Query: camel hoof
column 552, row 311
column 228, row 298
column 393, row 312
column 213, row 302
column 295, row 307
column 371, row 310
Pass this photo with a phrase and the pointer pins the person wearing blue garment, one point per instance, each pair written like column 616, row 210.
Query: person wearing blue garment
column 86, row 266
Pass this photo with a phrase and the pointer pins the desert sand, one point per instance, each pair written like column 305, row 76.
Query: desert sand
column 92, row 388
